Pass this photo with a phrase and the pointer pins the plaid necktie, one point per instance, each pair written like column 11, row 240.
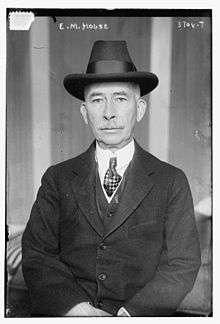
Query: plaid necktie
column 112, row 178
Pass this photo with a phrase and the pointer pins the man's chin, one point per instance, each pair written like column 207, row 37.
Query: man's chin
column 112, row 143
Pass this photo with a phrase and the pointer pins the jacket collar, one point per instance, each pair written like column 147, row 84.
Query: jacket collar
column 139, row 184
column 82, row 163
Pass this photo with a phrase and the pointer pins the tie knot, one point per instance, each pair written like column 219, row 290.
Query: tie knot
column 112, row 163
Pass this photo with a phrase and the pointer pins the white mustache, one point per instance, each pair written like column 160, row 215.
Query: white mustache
column 111, row 127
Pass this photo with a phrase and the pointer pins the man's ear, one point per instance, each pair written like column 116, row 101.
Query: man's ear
column 141, row 108
column 83, row 111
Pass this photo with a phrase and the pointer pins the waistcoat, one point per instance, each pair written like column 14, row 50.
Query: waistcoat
column 107, row 210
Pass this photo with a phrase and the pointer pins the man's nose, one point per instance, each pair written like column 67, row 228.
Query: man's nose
column 109, row 111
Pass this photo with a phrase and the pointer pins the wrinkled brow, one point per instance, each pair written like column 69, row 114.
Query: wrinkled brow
column 120, row 93
column 94, row 94
column 116, row 93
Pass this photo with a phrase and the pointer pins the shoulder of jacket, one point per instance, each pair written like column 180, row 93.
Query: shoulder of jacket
column 161, row 166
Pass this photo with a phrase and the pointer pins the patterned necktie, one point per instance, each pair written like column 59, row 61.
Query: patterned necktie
column 112, row 178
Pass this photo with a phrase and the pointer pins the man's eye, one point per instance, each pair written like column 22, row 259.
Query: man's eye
column 121, row 99
column 97, row 100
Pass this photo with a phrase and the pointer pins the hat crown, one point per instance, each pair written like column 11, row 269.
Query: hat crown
column 110, row 50
column 110, row 56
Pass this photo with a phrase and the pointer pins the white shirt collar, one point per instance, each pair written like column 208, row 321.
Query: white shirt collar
column 123, row 155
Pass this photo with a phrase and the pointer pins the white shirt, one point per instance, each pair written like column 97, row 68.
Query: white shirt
column 124, row 157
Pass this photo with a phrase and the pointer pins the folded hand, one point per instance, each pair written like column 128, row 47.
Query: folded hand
column 86, row 309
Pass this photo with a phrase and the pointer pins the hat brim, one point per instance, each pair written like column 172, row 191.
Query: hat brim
column 76, row 83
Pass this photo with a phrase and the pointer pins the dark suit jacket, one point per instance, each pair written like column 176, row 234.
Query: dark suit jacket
column 151, row 255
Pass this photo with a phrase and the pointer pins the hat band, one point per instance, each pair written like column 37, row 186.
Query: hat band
column 103, row 67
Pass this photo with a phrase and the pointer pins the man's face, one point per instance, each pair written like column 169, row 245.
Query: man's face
column 112, row 109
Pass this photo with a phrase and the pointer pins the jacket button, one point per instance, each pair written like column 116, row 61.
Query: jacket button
column 102, row 276
column 110, row 214
column 102, row 246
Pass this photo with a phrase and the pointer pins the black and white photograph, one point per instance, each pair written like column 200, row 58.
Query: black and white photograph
column 108, row 163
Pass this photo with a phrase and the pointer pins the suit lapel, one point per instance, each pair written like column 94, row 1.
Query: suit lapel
column 84, row 188
column 138, row 185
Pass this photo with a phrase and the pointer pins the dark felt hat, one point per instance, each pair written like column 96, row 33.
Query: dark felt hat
column 109, row 61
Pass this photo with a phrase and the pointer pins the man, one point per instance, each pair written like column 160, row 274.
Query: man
column 112, row 231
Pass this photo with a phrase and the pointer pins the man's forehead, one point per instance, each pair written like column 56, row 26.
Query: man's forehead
column 103, row 87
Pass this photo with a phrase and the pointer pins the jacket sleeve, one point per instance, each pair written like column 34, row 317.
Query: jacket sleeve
column 51, row 284
column 180, row 259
